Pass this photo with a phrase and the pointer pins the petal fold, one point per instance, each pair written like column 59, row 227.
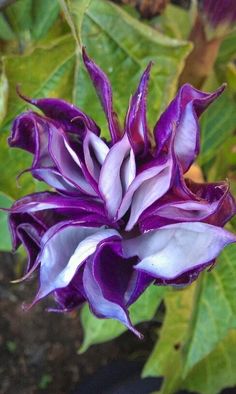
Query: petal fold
column 136, row 120
column 178, row 125
column 173, row 250
column 104, row 92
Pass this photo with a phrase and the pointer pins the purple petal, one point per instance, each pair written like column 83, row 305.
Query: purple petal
column 67, row 161
column 71, row 118
column 216, row 192
column 211, row 203
column 172, row 250
column 95, row 153
column 64, row 249
column 117, row 172
column 136, row 121
column 30, row 132
column 104, row 91
column 138, row 283
column 71, row 296
column 106, row 276
column 178, row 125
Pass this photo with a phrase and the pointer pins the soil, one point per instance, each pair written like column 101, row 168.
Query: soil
column 38, row 350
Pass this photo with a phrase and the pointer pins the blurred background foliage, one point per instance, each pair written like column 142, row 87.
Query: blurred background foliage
column 40, row 43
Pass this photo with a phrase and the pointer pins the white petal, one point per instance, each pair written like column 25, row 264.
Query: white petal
column 177, row 248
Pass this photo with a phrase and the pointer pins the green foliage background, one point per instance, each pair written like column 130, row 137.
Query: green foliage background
column 40, row 42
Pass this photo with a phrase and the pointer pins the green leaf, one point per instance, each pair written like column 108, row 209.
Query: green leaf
column 227, row 49
column 74, row 12
column 122, row 47
column 166, row 357
column 216, row 371
column 175, row 22
column 102, row 330
column 38, row 78
column 214, row 311
column 5, row 239
column 217, row 124
column 213, row 373
column 28, row 19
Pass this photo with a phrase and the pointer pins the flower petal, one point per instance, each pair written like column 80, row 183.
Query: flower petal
column 104, row 91
column 172, row 250
column 113, row 179
column 147, row 187
column 66, row 115
column 95, row 153
column 67, row 162
column 136, row 121
column 105, row 279
column 210, row 202
column 64, row 249
column 178, row 125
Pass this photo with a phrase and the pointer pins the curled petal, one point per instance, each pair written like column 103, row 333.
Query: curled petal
column 175, row 249
column 30, row 132
column 64, row 248
column 118, row 171
column 148, row 186
column 71, row 296
column 104, row 91
column 106, row 277
column 68, row 162
column 178, row 125
column 136, row 121
column 95, row 153
column 210, row 203
column 66, row 115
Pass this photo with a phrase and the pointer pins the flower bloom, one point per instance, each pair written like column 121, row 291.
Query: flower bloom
column 120, row 216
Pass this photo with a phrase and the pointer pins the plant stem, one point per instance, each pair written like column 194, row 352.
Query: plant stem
column 201, row 60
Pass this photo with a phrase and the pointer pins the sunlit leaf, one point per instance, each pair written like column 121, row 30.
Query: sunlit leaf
column 45, row 72
column 214, row 310
column 217, row 124
column 27, row 19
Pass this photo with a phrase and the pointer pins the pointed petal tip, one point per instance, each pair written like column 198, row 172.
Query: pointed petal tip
column 23, row 96
column 137, row 333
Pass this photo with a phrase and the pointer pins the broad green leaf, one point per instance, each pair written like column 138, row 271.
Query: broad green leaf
column 175, row 22
column 216, row 371
column 102, row 330
column 44, row 13
column 122, row 47
column 214, row 312
column 27, row 19
column 47, row 71
column 217, row 124
column 74, row 12
column 3, row 94
column 228, row 49
column 6, row 32
column 5, row 239
column 213, row 373
column 166, row 357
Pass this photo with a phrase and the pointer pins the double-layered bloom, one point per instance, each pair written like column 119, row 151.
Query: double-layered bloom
column 120, row 215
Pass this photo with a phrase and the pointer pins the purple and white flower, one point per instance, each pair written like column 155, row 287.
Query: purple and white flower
column 120, row 216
